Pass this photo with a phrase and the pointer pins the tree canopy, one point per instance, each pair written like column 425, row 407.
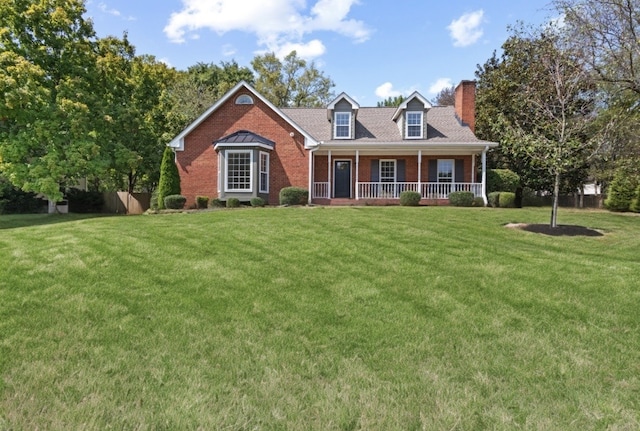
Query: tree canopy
column 291, row 82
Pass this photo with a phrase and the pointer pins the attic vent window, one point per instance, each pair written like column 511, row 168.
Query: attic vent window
column 244, row 99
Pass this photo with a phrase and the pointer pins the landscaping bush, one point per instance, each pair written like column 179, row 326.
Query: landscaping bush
column 461, row 199
column 502, row 180
column 478, row 202
column 494, row 199
column 293, row 196
column 16, row 201
column 216, row 203
column 169, row 183
column 531, row 199
column 202, row 202
column 81, row 201
column 507, row 200
column 410, row 199
column 257, row 202
column 153, row 203
column 233, row 203
column 174, row 202
column 621, row 191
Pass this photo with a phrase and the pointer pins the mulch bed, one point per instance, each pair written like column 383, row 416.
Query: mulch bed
column 560, row 230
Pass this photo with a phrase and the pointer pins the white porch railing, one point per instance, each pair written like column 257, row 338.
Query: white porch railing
column 392, row 190
column 384, row 190
column 321, row 190
column 442, row 190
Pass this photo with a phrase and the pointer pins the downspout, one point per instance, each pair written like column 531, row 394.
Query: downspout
column 484, row 175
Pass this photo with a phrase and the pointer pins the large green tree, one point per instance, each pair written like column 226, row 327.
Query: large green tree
column 132, row 125
column 551, row 106
column 47, row 74
column 291, row 82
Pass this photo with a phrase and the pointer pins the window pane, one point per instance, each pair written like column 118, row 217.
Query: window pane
column 238, row 171
column 264, row 172
column 387, row 171
column 343, row 124
column 414, row 124
column 445, row 171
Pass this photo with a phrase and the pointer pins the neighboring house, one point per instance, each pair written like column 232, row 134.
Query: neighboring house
column 244, row 146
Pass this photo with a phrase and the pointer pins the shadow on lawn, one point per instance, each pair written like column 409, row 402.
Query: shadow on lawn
column 14, row 221
column 560, row 230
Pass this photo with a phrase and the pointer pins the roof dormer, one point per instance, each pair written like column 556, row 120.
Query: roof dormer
column 410, row 116
column 342, row 113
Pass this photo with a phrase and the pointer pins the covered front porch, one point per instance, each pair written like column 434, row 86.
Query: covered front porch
column 378, row 177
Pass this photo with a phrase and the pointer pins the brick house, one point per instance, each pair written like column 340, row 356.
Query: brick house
column 243, row 146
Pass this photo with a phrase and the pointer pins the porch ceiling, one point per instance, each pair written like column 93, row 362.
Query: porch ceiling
column 404, row 148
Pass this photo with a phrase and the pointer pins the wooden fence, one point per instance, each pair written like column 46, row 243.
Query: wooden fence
column 126, row 203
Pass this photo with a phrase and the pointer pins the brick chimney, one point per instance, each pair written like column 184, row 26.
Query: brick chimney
column 465, row 103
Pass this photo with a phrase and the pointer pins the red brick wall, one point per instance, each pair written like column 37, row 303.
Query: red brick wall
column 198, row 163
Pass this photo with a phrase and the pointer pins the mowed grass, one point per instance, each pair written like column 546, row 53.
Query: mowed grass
column 319, row 318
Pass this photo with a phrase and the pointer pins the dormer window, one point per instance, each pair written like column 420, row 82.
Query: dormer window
column 414, row 125
column 342, row 125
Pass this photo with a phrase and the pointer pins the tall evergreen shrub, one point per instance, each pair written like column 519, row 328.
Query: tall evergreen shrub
column 169, row 183
column 621, row 191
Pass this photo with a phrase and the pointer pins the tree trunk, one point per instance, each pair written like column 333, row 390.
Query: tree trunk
column 554, row 207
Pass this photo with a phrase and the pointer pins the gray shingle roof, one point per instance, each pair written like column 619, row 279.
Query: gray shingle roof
column 377, row 125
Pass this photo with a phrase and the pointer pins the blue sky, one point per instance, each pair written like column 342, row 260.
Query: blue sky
column 371, row 49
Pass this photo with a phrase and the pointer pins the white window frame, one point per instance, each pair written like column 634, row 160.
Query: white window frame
column 263, row 169
column 226, row 171
column 453, row 170
column 395, row 171
column 407, row 124
column 336, row 125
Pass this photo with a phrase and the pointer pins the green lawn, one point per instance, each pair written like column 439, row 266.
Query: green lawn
column 366, row 318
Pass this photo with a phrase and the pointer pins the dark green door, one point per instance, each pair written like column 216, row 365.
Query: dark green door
column 342, row 179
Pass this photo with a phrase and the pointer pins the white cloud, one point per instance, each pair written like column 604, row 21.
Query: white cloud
column 309, row 50
column 115, row 12
column 276, row 23
column 386, row 90
column 104, row 8
column 166, row 61
column 228, row 50
column 466, row 30
column 440, row 85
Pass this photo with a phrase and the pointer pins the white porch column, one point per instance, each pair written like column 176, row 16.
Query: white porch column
column 329, row 174
column 484, row 175
column 420, row 172
column 473, row 168
column 311, row 188
column 357, row 176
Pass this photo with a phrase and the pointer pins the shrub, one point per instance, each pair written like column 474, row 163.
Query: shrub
column 293, row 196
column 621, row 191
column 507, row 200
column 233, row 203
column 202, row 202
column 494, row 199
column 478, row 202
column 153, row 203
column 81, row 201
column 461, row 199
column 257, row 202
column 635, row 202
column 174, row 202
column 410, row 199
column 16, row 201
column 502, row 180
column 531, row 199
column 216, row 203
column 169, row 183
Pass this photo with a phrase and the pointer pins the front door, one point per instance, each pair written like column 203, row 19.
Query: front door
column 342, row 179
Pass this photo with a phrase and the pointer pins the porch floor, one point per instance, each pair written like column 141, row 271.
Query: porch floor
column 373, row 202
